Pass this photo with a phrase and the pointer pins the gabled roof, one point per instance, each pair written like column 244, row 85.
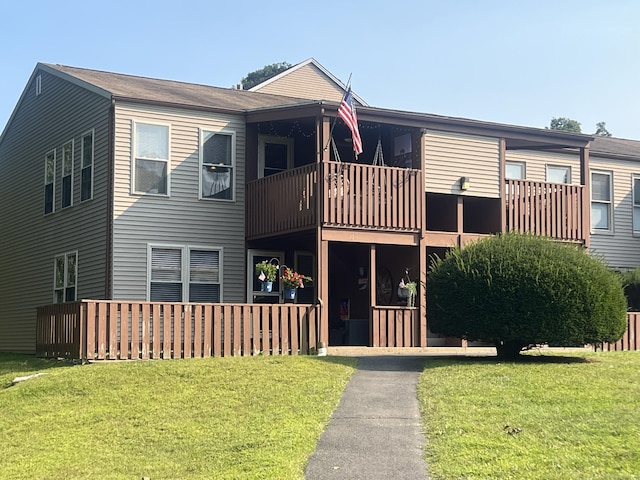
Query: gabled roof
column 615, row 147
column 130, row 87
column 313, row 62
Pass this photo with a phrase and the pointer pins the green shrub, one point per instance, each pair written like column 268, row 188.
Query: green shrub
column 520, row 290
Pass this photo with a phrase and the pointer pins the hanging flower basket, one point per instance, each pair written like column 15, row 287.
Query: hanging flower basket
column 289, row 293
column 292, row 280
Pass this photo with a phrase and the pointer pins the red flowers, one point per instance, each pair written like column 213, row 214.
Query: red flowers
column 291, row 279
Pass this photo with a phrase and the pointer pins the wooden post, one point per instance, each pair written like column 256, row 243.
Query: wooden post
column 503, row 190
column 422, row 254
column 323, row 129
column 373, row 281
column 585, row 181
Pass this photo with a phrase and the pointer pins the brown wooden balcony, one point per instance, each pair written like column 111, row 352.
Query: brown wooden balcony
column 356, row 196
column 549, row 209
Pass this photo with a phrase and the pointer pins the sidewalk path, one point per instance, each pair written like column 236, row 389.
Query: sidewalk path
column 376, row 432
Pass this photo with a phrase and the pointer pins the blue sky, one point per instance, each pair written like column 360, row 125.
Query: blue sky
column 517, row 62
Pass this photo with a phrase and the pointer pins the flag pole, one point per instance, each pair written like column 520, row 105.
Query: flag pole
column 333, row 124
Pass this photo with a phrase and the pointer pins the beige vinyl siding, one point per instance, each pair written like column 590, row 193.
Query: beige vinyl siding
column 180, row 219
column 31, row 240
column 536, row 163
column 449, row 156
column 620, row 249
column 305, row 82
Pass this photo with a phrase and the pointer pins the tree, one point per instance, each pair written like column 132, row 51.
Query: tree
column 265, row 73
column 566, row 124
column 520, row 290
column 602, row 130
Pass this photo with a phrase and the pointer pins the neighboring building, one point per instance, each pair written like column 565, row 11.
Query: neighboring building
column 122, row 187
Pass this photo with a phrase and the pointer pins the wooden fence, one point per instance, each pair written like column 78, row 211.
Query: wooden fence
column 631, row 338
column 395, row 327
column 119, row 330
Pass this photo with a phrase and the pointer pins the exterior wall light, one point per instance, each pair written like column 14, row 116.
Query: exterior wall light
column 464, row 183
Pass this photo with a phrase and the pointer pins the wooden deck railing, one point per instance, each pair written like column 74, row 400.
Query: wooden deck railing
column 119, row 330
column 550, row 209
column 283, row 202
column 395, row 327
column 355, row 196
column 631, row 338
column 367, row 196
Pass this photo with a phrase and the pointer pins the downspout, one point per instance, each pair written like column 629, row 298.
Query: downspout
column 108, row 264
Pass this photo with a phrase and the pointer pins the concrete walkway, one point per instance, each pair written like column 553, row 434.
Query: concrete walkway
column 376, row 432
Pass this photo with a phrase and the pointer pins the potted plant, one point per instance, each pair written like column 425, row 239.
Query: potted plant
column 291, row 281
column 267, row 272
column 408, row 291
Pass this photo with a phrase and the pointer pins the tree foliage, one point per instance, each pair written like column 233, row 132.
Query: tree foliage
column 566, row 124
column 265, row 73
column 518, row 291
column 601, row 130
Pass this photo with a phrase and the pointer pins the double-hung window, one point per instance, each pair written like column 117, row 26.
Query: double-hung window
column 49, row 181
column 86, row 184
column 151, row 159
column 636, row 203
column 65, row 277
column 67, row 174
column 601, row 201
column 558, row 174
column 185, row 273
column 217, row 165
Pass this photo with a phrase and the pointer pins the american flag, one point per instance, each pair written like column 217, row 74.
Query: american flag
column 347, row 112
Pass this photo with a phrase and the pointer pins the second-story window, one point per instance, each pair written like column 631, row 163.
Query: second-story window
column 86, row 185
column 558, row 174
column 217, row 156
column 636, row 204
column 67, row 174
column 49, row 181
column 601, row 195
column 151, row 159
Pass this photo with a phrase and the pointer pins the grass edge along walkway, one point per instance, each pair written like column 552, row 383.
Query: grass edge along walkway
column 256, row 417
column 551, row 417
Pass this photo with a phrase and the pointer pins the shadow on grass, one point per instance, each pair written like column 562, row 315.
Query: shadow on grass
column 16, row 364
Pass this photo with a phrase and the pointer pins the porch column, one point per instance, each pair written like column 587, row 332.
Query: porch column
column 585, row 181
column 422, row 255
column 323, row 128
column 503, row 191
column 374, row 333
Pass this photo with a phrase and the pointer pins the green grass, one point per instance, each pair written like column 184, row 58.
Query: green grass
column 237, row 418
column 575, row 417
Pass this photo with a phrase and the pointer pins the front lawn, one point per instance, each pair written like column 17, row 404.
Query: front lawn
column 573, row 417
column 256, row 417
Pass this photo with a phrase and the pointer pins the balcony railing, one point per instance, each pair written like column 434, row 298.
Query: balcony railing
column 395, row 327
column 549, row 209
column 355, row 196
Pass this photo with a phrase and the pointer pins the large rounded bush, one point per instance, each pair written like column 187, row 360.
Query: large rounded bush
column 519, row 290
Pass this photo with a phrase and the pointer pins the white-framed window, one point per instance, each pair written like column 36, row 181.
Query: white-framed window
column 184, row 273
column 558, row 174
column 150, row 163
column 67, row 174
column 38, row 85
column 217, row 165
column 275, row 155
column 636, row 202
column 515, row 171
column 601, row 201
column 49, row 182
column 65, row 277
column 86, row 181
